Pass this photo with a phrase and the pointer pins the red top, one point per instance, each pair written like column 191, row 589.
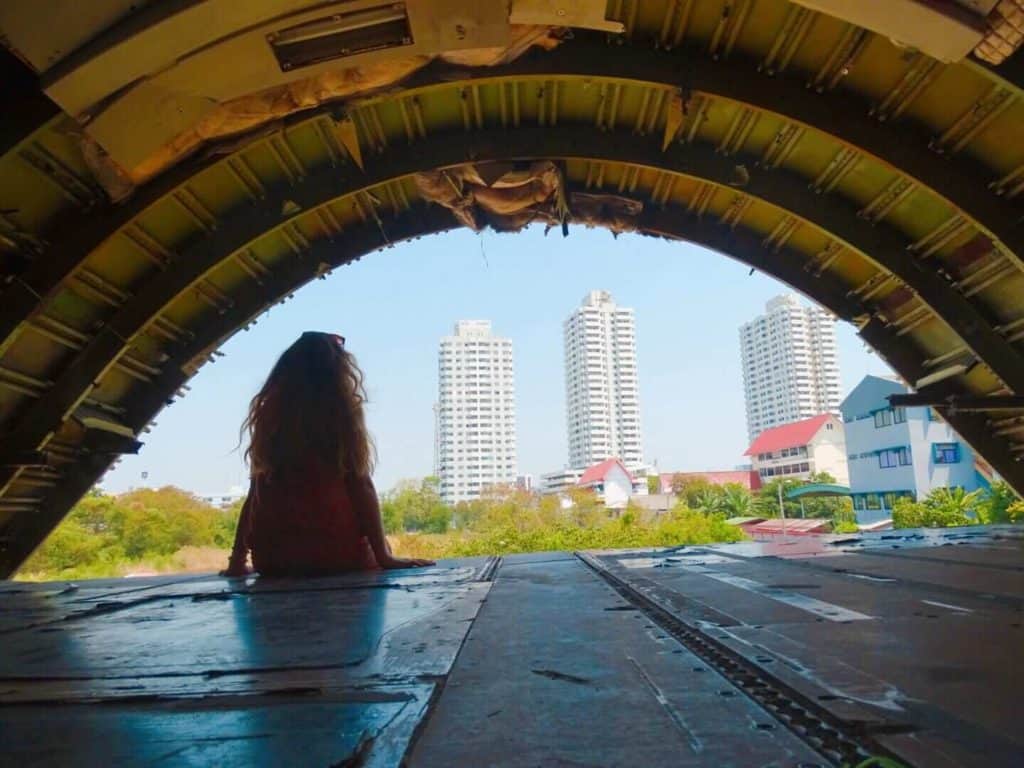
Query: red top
column 596, row 473
column 306, row 524
column 791, row 435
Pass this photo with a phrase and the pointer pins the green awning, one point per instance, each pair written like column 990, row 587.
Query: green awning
column 818, row 489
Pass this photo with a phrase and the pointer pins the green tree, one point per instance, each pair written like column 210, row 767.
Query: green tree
column 708, row 500
column 71, row 544
column 768, row 498
column 391, row 515
column 1015, row 512
column 104, row 534
column 653, row 484
column 226, row 523
column 415, row 507
column 942, row 508
column 995, row 506
column 907, row 513
column 838, row 509
column 689, row 488
column 586, row 510
column 737, row 501
column 953, row 506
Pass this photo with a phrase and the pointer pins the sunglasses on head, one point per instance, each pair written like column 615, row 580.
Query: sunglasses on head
column 336, row 337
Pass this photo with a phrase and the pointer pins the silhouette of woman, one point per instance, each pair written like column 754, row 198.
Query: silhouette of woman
column 312, row 508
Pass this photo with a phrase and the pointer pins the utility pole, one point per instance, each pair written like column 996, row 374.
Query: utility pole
column 782, row 509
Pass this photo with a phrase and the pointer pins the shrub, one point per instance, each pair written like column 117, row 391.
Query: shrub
column 1015, row 512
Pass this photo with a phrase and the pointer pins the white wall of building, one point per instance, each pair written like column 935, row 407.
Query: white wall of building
column 476, row 418
column 828, row 452
column 559, row 480
column 617, row 488
column 601, row 384
column 790, row 364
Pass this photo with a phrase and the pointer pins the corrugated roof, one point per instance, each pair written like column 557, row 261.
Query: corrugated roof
column 796, row 527
column 787, row 435
column 743, row 520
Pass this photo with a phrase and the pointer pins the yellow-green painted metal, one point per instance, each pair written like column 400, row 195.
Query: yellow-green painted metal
column 72, row 263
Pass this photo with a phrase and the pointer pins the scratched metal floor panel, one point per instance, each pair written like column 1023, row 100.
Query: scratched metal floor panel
column 297, row 730
column 1006, row 558
column 913, row 637
column 1003, row 584
column 1001, row 568
column 559, row 671
column 210, row 671
column 756, row 591
column 935, row 670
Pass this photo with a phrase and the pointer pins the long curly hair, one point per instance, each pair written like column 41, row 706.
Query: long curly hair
column 310, row 407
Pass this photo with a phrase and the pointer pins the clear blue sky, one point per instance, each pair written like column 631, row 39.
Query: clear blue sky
column 394, row 306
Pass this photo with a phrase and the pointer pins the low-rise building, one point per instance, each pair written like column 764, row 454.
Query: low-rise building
column 658, row 503
column 900, row 452
column 560, row 480
column 748, row 478
column 611, row 481
column 799, row 449
column 223, row 500
column 525, row 483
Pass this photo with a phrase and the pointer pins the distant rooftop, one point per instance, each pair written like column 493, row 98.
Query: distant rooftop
column 473, row 328
column 597, row 473
column 790, row 435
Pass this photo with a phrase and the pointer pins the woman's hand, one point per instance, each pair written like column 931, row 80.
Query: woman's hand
column 236, row 569
column 390, row 562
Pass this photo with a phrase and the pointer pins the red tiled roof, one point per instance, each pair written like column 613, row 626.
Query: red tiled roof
column 745, row 477
column 596, row 473
column 790, row 435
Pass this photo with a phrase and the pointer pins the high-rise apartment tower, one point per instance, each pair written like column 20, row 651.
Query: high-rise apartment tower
column 476, row 412
column 790, row 365
column 602, row 399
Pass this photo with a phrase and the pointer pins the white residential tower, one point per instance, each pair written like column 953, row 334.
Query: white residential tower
column 790, row 365
column 475, row 416
column 602, row 400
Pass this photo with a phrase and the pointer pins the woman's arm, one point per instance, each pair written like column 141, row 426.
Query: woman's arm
column 364, row 499
column 240, row 550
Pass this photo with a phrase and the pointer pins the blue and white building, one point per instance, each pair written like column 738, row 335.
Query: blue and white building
column 895, row 452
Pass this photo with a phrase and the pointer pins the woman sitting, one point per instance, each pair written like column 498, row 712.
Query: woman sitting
column 312, row 508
